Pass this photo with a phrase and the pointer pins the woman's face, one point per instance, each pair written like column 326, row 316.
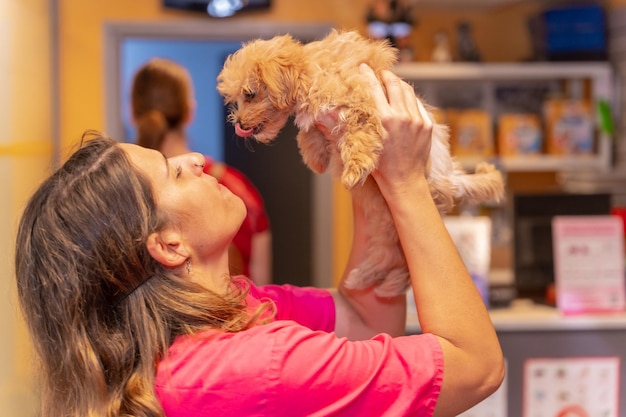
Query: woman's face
column 206, row 213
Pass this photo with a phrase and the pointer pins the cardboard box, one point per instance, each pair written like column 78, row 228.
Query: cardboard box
column 569, row 127
column 471, row 133
column 519, row 134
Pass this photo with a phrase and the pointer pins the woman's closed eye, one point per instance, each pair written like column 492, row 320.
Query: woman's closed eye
column 178, row 171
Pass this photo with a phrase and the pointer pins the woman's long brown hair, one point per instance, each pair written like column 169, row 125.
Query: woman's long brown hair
column 100, row 309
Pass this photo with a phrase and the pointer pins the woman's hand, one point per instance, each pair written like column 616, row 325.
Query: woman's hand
column 408, row 129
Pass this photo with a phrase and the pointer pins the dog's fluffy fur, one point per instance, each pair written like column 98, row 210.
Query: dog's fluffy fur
column 267, row 81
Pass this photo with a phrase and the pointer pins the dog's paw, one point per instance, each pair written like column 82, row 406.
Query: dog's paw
column 354, row 280
column 358, row 161
column 313, row 148
column 316, row 165
column 396, row 283
column 357, row 279
column 353, row 175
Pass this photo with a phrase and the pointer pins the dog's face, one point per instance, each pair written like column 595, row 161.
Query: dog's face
column 259, row 83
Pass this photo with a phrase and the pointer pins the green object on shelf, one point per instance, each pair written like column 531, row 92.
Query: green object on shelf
column 605, row 119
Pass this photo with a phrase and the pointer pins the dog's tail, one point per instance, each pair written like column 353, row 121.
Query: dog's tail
column 484, row 185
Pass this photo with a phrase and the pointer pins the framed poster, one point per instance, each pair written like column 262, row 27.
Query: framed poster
column 588, row 263
column 571, row 387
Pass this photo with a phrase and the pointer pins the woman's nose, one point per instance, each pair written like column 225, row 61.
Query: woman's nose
column 193, row 161
column 197, row 162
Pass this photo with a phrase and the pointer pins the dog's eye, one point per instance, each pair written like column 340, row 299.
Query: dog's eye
column 249, row 95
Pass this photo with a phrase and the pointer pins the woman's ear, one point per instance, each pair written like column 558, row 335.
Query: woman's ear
column 167, row 249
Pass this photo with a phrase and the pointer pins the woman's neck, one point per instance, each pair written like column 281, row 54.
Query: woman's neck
column 174, row 144
column 212, row 273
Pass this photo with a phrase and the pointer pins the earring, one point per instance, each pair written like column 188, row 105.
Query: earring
column 188, row 266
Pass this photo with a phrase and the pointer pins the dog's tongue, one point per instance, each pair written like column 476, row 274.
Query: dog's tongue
column 241, row 132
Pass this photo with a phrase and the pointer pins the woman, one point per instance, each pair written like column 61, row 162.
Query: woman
column 133, row 311
column 163, row 105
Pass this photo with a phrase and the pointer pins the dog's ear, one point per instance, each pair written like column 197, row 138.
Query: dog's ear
column 223, row 86
column 227, row 84
column 283, row 72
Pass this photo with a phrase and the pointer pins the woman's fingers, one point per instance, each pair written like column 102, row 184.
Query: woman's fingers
column 395, row 89
column 428, row 123
column 399, row 94
column 380, row 98
column 396, row 98
column 411, row 100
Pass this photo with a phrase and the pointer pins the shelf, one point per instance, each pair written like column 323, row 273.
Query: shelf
column 599, row 72
column 466, row 4
column 504, row 70
column 543, row 163
column 429, row 77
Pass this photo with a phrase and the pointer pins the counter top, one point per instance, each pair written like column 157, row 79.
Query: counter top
column 524, row 315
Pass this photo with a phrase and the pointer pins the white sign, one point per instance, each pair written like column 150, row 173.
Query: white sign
column 571, row 387
column 588, row 263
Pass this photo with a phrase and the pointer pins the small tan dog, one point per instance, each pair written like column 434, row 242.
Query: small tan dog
column 267, row 81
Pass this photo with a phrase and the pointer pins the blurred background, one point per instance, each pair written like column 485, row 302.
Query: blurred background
column 500, row 72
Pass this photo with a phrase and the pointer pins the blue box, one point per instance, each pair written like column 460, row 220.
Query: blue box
column 575, row 32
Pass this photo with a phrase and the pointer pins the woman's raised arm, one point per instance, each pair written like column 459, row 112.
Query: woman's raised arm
column 449, row 305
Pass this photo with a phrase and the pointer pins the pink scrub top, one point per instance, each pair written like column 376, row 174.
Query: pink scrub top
column 297, row 366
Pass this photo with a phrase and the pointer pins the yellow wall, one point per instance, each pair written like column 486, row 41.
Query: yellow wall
column 25, row 155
